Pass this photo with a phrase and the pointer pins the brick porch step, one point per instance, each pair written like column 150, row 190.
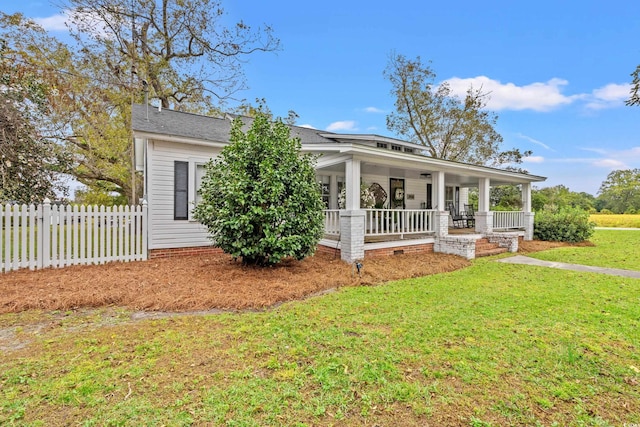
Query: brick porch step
column 486, row 248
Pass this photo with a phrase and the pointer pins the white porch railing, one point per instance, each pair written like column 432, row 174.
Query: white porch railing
column 57, row 236
column 332, row 221
column 379, row 222
column 505, row 220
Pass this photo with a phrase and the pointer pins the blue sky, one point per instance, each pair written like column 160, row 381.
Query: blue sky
column 558, row 71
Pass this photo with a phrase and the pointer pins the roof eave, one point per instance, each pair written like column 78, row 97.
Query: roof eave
column 375, row 153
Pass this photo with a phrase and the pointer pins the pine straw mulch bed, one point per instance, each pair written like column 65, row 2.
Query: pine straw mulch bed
column 208, row 282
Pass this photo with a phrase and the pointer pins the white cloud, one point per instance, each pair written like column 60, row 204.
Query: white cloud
column 535, row 141
column 55, row 22
column 374, row 110
column 609, row 96
column 533, row 159
column 348, row 125
column 507, row 96
column 606, row 159
column 610, row 164
column 62, row 21
column 595, row 150
column 308, row 126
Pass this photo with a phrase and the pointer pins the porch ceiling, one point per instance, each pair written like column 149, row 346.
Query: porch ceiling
column 376, row 161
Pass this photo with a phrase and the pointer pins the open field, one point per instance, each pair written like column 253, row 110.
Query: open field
column 490, row 344
column 621, row 220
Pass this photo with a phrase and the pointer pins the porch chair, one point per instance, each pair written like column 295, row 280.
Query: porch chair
column 459, row 220
column 469, row 214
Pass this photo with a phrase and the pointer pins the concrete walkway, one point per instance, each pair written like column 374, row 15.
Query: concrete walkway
column 520, row 259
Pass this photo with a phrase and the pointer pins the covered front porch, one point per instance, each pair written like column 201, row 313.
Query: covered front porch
column 394, row 231
column 416, row 200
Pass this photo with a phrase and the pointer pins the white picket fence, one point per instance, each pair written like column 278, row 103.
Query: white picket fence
column 48, row 235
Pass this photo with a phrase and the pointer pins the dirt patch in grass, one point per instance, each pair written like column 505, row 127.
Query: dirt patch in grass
column 202, row 282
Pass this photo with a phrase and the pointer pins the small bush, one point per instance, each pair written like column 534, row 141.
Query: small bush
column 606, row 211
column 565, row 225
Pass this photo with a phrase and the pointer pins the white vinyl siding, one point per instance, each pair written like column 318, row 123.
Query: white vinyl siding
column 164, row 231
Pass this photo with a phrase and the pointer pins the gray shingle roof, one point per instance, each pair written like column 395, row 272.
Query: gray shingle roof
column 176, row 123
column 188, row 125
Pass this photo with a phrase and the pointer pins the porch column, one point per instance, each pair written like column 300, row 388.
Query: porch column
column 333, row 195
column 352, row 235
column 484, row 216
column 441, row 226
column 352, row 218
column 352, row 184
column 528, row 225
column 437, row 196
column 526, row 197
column 526, row 208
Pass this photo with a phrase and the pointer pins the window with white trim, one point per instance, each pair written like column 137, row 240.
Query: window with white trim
column 200, row 170
column 324, row 181
column 180, row 190
column 187, row 178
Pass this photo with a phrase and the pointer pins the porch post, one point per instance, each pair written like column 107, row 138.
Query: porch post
column 437, row 201
column 352, row 219
column 352, row 184
column 333, row 196
column 526, row 208
column 484, row 216
column 352, row 235
column 526, row 197
column 437, row 197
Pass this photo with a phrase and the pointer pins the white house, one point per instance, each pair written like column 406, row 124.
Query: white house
column 422, row 192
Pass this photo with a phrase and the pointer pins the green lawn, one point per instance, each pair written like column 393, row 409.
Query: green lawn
column 613, row 248
column 494, row 344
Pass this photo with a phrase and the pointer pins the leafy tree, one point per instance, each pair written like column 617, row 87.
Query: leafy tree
column 182, row 48
column 178, row 53
column 505, row 197
column 99, row 197
column 260, row 200
column 621, row 190
column 560, row 196
column 30, row 161
column 634, row 99
column 249, row 110
column 449, row 128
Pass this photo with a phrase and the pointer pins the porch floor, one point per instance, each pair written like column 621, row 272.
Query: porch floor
column 407, row 237
column 387, row 237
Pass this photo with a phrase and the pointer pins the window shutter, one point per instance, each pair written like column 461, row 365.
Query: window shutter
column 181, row 190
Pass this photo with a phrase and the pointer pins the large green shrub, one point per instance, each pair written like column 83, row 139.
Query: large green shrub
column 564, row 225
column 260, row 200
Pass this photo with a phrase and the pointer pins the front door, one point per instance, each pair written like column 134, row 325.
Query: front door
column 396, row 185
